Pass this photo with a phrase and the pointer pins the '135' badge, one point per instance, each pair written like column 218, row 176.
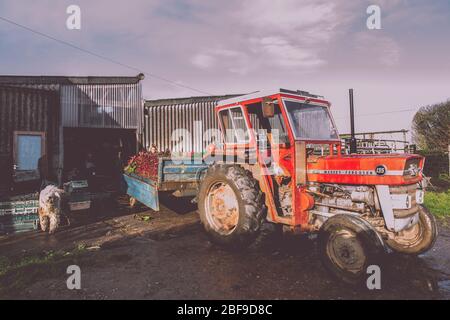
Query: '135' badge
column 380, row 170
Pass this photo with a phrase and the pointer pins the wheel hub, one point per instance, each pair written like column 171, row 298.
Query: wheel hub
column 222, row 209
column 346, row 251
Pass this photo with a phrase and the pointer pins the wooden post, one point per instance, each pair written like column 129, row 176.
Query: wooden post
column 448, row 159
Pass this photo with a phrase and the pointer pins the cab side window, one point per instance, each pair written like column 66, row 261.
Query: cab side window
column 273, row 126
column 234, row 125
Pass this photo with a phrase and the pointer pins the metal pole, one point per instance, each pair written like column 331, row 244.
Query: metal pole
column 449, row 159
column 352, row 124
column 405, row 143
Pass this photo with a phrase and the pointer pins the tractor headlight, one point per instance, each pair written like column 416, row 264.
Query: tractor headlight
column 412, row 168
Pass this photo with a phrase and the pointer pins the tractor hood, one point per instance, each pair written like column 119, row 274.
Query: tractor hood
column 389, row 169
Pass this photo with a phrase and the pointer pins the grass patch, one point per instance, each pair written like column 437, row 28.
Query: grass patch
column 18, row 274
column 143, row 217
column 438, row 203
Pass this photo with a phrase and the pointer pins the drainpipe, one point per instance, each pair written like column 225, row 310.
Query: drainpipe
column 352, row 124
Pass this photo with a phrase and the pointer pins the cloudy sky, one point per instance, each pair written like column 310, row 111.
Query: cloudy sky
column 239, row 46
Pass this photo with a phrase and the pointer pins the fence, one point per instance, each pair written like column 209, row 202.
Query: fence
column 380, row 142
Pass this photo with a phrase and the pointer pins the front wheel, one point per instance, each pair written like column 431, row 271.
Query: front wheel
column 231, row 205
column 347, row 246
column 417, row 239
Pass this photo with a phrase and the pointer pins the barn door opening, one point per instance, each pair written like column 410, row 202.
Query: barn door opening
column 98, row 155
column 29, row 149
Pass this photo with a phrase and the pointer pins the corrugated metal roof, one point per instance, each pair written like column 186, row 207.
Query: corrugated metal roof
column 68, row 80
column 188, row 100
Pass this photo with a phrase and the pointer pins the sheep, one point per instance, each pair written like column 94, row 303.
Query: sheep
column 50, row 208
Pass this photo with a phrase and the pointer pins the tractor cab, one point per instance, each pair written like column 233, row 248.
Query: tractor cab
column 279, row 118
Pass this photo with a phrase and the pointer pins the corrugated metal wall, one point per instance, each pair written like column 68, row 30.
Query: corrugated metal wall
column 102, row 106
column 164, row 117
column 26, row 110
column 83, row 102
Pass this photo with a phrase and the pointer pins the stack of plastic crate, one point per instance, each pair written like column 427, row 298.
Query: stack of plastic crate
column 19, row 214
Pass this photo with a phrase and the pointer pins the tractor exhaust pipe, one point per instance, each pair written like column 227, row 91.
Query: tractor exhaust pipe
column 352, row 124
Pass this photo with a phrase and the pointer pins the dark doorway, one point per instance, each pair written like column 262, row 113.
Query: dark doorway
column 107, row 149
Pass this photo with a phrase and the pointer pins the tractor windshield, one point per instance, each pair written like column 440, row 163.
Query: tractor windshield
column 310, row 122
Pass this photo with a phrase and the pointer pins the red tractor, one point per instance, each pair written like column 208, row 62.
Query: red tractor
column 280, row 161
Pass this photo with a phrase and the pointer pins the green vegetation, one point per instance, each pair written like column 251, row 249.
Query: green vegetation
column 438, row 203
column 17, row 274
column 431, row 127
column 7, row 265
column 143, row 217
column 444, row 177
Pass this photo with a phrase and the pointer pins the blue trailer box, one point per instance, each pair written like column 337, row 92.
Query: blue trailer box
column 173, row 175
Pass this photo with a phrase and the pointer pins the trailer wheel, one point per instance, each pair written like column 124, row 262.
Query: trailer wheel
column 347, row 246
column 417, row 239
column 132, row 202
column 231, row 205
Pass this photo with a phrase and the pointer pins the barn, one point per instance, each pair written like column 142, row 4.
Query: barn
column 50, row 124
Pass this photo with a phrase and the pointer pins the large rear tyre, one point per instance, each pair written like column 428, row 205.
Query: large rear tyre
column 419, row 238
column 347, row 246
column 231, row 205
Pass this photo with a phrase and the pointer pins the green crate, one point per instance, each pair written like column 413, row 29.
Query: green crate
column 24, row 226
column 19, row 204
column 18, row 207
column 11, row 219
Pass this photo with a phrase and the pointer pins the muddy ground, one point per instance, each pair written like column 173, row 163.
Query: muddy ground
column 165, row 255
